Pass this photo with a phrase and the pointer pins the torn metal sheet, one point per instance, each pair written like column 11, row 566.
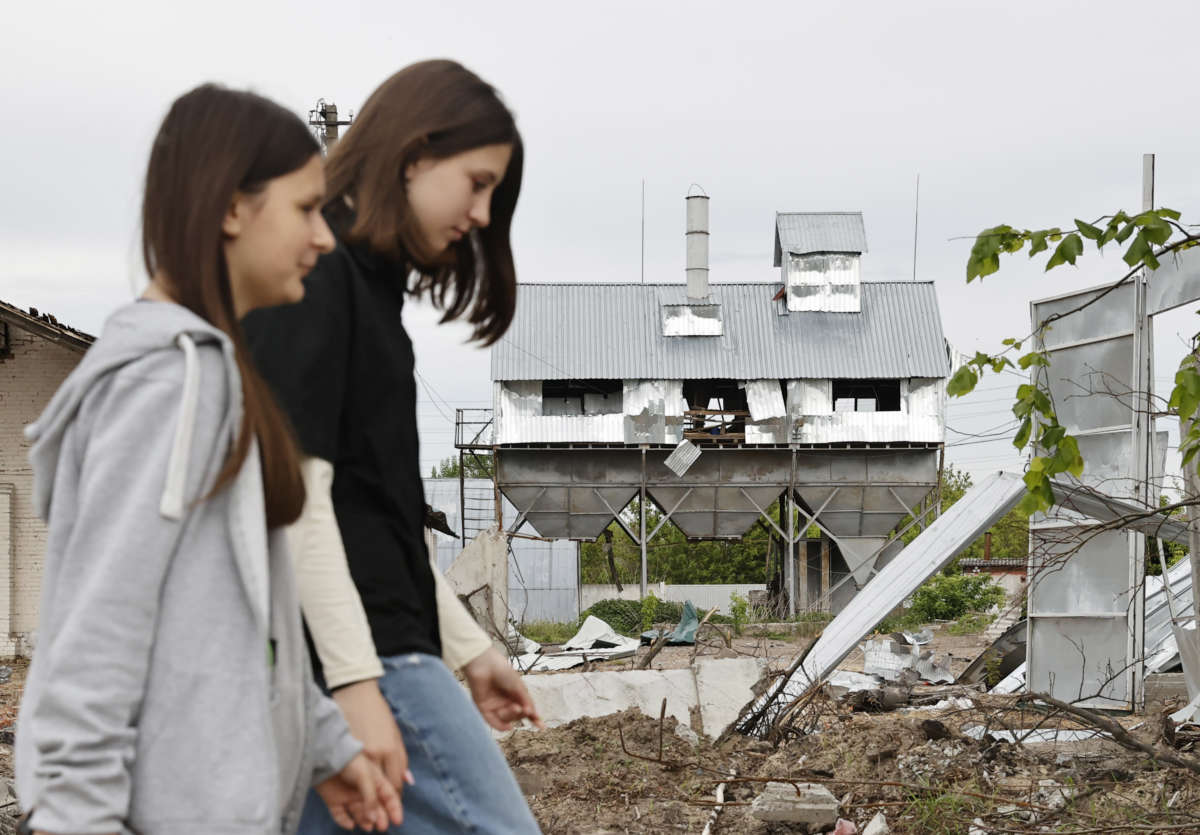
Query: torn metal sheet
column 765, row 399
column 1188, row 712
column 595, row 641
column 1011, row 683
column 683, row 457
column 916, row 639
column 1034, row 735
column 830, row 282
column 841, row 682
column 964, row 522
column 653, row 411
column 1176, row 281
column 873, row 427
column 1004, row 655
column 1187, row 640
column 888, row 659
column 596, row 634
column 691, row 320
column 520, row 418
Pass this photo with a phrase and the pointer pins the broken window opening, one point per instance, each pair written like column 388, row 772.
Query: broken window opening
column 581, row 397
column 716, row 410
column 866, row 395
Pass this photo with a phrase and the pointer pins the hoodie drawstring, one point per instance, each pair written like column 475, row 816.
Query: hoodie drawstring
column 171, row 505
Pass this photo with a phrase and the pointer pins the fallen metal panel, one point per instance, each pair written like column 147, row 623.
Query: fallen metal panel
column 964, row 522
column 683, row 457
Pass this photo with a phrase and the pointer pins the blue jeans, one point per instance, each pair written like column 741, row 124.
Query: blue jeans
column 463, row 783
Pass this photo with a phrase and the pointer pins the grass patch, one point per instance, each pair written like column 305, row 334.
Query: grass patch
column 972, row 623
column 548, row 631
column 940, row 814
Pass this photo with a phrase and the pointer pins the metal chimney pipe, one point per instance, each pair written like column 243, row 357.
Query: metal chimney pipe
column 697, row 246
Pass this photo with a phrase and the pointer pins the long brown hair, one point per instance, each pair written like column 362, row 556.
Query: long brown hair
column 432, row 109
column 215, row 142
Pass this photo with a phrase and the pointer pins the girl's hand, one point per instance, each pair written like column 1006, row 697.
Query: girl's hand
column 499, row 692
column 360, row 795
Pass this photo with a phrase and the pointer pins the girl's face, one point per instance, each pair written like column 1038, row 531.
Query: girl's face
column 273, row 238
column 449, row 197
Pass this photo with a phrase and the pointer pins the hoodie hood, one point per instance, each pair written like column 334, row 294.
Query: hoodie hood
column 131, row 333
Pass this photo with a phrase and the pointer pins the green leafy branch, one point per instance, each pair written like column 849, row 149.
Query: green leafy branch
column 1146, row 237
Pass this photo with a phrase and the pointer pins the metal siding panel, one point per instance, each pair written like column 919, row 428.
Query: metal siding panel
column 611, row 332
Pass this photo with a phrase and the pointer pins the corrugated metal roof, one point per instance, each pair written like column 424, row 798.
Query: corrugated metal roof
column 613, row 332
column 802, row 232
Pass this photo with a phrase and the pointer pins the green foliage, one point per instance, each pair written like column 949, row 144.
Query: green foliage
column 671, row 558
column 1146, row 237
column 934, row 813
column 474, row 466
column 971, row 623
column 949, row 597
column 1172, row 551
column 549, row 632
column 649, row 607
column 991, row 667
column 625, row 616
column 1010, row 536
column 739, row 611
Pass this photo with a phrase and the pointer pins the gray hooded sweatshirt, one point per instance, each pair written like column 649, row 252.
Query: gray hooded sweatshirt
column 169, row 691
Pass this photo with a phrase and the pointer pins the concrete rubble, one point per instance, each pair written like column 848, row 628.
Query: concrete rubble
column 805, row 804
column 878, row 825
column 713, row 688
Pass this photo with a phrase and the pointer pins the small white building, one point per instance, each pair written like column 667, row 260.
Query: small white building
column 37, row 352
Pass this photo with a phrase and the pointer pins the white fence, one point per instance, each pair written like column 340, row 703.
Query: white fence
column 703, row 597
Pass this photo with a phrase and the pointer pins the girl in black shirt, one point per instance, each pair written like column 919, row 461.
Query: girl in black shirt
column 421, row 196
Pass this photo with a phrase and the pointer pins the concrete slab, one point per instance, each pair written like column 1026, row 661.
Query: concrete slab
column 723, row 686
column 718, row 686
column 807, row 804
column 568, row 696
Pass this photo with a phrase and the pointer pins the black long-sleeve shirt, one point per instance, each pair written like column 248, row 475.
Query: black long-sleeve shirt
column 341, row 365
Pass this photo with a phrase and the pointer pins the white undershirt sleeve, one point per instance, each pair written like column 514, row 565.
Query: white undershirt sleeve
column 328, row 597
column 463, row 640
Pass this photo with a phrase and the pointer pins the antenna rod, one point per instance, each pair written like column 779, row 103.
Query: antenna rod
column 916, row 222
column 643, row 230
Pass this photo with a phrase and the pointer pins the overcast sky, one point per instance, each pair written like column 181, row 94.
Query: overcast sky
column 1030, row 113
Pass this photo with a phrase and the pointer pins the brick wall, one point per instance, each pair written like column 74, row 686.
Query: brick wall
column 28, row 379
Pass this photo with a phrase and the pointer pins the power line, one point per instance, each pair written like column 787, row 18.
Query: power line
column 429, row 390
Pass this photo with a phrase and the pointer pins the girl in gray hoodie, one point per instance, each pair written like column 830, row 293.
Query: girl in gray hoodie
column 170, row 690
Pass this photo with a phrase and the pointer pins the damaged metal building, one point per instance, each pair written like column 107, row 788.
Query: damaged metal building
column 714, row 400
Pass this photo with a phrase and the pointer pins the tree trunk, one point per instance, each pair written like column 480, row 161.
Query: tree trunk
column 612, row 563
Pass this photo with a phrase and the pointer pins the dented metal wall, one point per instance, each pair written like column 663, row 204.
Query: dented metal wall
column 691, row 320
column 1085, row 622
column 653, row 411
column 828, row 282
column 645, row 412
